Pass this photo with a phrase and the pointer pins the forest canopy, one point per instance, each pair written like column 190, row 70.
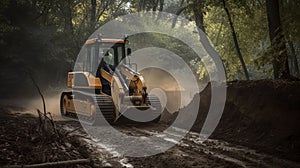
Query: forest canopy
column 255, row 39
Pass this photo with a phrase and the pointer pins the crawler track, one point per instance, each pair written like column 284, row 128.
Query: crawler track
column 105, row 110
column 103, row 103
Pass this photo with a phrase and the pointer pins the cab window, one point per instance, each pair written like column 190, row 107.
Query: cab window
column 120, row 54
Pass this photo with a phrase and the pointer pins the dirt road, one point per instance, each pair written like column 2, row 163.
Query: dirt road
column 191, row 151
column 110, row 150
column 259, row 128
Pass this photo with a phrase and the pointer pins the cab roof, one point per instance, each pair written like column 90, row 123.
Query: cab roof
column 104, row 40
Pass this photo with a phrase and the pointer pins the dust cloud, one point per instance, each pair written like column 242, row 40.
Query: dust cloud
column 167, row 76
column 33, row 103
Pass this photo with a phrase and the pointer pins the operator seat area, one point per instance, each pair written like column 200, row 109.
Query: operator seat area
column 107, row 63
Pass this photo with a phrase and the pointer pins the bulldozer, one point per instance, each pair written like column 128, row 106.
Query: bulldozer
column 107, row 87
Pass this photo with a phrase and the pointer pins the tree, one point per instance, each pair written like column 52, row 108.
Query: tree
column 67, row 12
column 294, row 57
column 93, row 14
column 197, row 9
column 279, row 52
column 161, row 5
column 235, row 40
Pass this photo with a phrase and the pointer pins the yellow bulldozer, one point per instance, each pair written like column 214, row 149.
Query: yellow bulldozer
column 108, row 87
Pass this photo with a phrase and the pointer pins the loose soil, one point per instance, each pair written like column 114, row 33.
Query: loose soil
column 259, row 128
column 263, row 114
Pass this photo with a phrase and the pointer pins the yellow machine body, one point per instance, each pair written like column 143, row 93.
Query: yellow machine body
column 117, row 84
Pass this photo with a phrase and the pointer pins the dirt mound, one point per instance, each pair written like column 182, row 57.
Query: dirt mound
column 263, row 114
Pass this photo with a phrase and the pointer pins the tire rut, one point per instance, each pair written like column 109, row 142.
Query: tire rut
column 193, row 151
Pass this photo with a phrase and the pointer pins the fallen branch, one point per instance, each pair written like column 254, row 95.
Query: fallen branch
column 82, row 136
column 74, row 130
column 43, row 118
column 50, row 164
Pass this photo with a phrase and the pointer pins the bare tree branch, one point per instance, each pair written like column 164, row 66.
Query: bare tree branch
column 40, row 93
column 178, row 13
column 105, row 7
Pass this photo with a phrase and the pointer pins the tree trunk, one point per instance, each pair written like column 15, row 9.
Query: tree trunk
column 155, row 4
column 141, row 5
column 198, row 13
column 236, row 41
column 279, row 52
column 161, row 5
column 218, row 35
column 93, row 15
column 180, row 10
column 160, row 9
column 68, row 17
column 294, row 58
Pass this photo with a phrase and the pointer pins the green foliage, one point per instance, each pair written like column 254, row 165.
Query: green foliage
column 46, row 36
column 251, row 28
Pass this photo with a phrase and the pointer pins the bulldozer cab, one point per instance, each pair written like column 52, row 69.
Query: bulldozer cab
column 103, row 52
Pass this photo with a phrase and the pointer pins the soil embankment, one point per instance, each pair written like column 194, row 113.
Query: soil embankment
column 262, row 114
